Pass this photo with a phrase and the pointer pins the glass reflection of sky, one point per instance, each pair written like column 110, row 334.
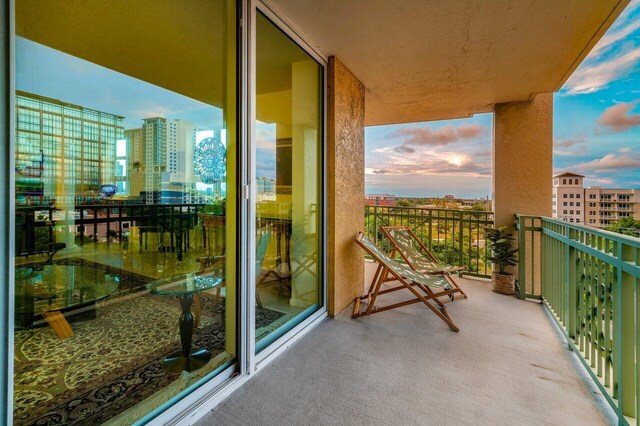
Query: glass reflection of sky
column 49, row 72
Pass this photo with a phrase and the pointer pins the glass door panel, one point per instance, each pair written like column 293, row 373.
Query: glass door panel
column 125, row 241
column 288, row 182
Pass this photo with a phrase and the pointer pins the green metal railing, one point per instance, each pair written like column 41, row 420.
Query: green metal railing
column 456, row 237
column 589, row 280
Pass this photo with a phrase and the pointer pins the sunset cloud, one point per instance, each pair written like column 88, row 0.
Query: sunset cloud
column 571, row 146
column 625, row 27
column 601, row 181
column 611, row 162
column 593, row 78
column 425, row 136
column 443, row 163
column 567, row 143
column 618, row 118
column 613, row 57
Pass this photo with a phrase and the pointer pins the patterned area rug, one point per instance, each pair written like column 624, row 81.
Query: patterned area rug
column 112, row 362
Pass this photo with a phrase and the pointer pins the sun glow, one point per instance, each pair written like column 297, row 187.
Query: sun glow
column 456, row 160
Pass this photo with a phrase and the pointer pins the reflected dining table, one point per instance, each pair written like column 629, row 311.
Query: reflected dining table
column 56, row 291
column 186, row 287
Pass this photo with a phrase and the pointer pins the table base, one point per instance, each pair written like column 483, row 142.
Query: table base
column 176, row 363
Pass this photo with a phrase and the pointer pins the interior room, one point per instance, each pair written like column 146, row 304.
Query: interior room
column 127, row 171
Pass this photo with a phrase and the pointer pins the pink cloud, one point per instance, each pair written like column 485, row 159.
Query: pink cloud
column 618, row 118
column 568, row 143
column 425, row 136
column 572, row 146
column 593, row 77
column 602, row 181
column 610, row 161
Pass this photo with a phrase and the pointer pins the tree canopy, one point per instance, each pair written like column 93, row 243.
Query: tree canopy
column 626, row 225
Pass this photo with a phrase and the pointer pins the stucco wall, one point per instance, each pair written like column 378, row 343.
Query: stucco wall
column 522, row 158
column 345, row 124
column 523, row 168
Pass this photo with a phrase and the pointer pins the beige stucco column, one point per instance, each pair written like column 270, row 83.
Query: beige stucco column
column 345, row 169
column 522, row 158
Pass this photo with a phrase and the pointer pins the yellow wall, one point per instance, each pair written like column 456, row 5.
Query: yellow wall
column 523, row 164
column 345, row 168
column 522, row 154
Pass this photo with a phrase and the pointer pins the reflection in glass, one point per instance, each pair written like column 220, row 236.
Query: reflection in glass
column 125, row 246
column 288, row 181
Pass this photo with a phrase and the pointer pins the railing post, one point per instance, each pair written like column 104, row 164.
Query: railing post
column 522, row 257
column 375, row 224
column 460, row 240
column 430, row 230
column 626, row 335
column 571, row 286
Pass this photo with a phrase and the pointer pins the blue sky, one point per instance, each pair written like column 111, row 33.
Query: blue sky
column 49, row 72
column 596, row 131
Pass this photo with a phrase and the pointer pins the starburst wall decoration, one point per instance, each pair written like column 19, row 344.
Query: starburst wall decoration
column 210, row 160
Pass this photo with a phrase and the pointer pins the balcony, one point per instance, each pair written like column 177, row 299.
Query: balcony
column 588, row 280
column 339, row 69
column 509, row 361
column 507, row 365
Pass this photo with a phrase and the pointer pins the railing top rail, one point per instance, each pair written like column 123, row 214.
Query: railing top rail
column 106, row 206
column 430, row 209
column 627, row 239
column 527, row 216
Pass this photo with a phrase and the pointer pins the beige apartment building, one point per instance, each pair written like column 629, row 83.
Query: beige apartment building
column 592, row 206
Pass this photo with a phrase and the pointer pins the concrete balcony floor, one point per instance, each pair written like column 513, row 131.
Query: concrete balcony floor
column 506, row 366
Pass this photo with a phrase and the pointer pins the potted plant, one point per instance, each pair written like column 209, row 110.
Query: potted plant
column 502, row 255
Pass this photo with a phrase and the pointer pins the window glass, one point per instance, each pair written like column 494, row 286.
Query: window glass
column 125, row 242
column 287, row 182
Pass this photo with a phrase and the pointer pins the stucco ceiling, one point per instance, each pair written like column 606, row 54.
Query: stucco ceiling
column 427, row 60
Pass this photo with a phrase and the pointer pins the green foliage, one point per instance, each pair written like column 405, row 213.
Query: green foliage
column 442, row 236
column 501, row 245
column 217, row 206
column 448, row 252
column 477, row 207
column 404, row 203
column 627, row 226
column 81, row 239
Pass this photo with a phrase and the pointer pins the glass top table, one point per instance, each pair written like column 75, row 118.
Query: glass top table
column 187, row 288
column 48, row 288
column 179, row 285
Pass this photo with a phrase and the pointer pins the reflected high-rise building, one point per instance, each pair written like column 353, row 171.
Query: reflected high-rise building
column 161, row 160
column 135, row 161
column 64, row 152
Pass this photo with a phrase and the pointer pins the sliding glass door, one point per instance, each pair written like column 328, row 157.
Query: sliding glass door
column 130, row 223
column 288, row 181
column 125, row 152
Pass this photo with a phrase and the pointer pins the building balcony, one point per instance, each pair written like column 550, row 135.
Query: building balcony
column 565, row 353
column 507, row 365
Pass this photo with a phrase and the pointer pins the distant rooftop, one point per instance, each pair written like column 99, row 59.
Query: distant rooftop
column 569, row 174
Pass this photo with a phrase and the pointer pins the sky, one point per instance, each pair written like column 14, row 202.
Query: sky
column 49, row 72
column 596, row 131
column 52, row 73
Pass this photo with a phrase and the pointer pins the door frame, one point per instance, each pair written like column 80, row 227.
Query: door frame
column 193, row 403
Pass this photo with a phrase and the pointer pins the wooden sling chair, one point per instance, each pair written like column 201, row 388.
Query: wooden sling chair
column 418, row 257
column 421, row 285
